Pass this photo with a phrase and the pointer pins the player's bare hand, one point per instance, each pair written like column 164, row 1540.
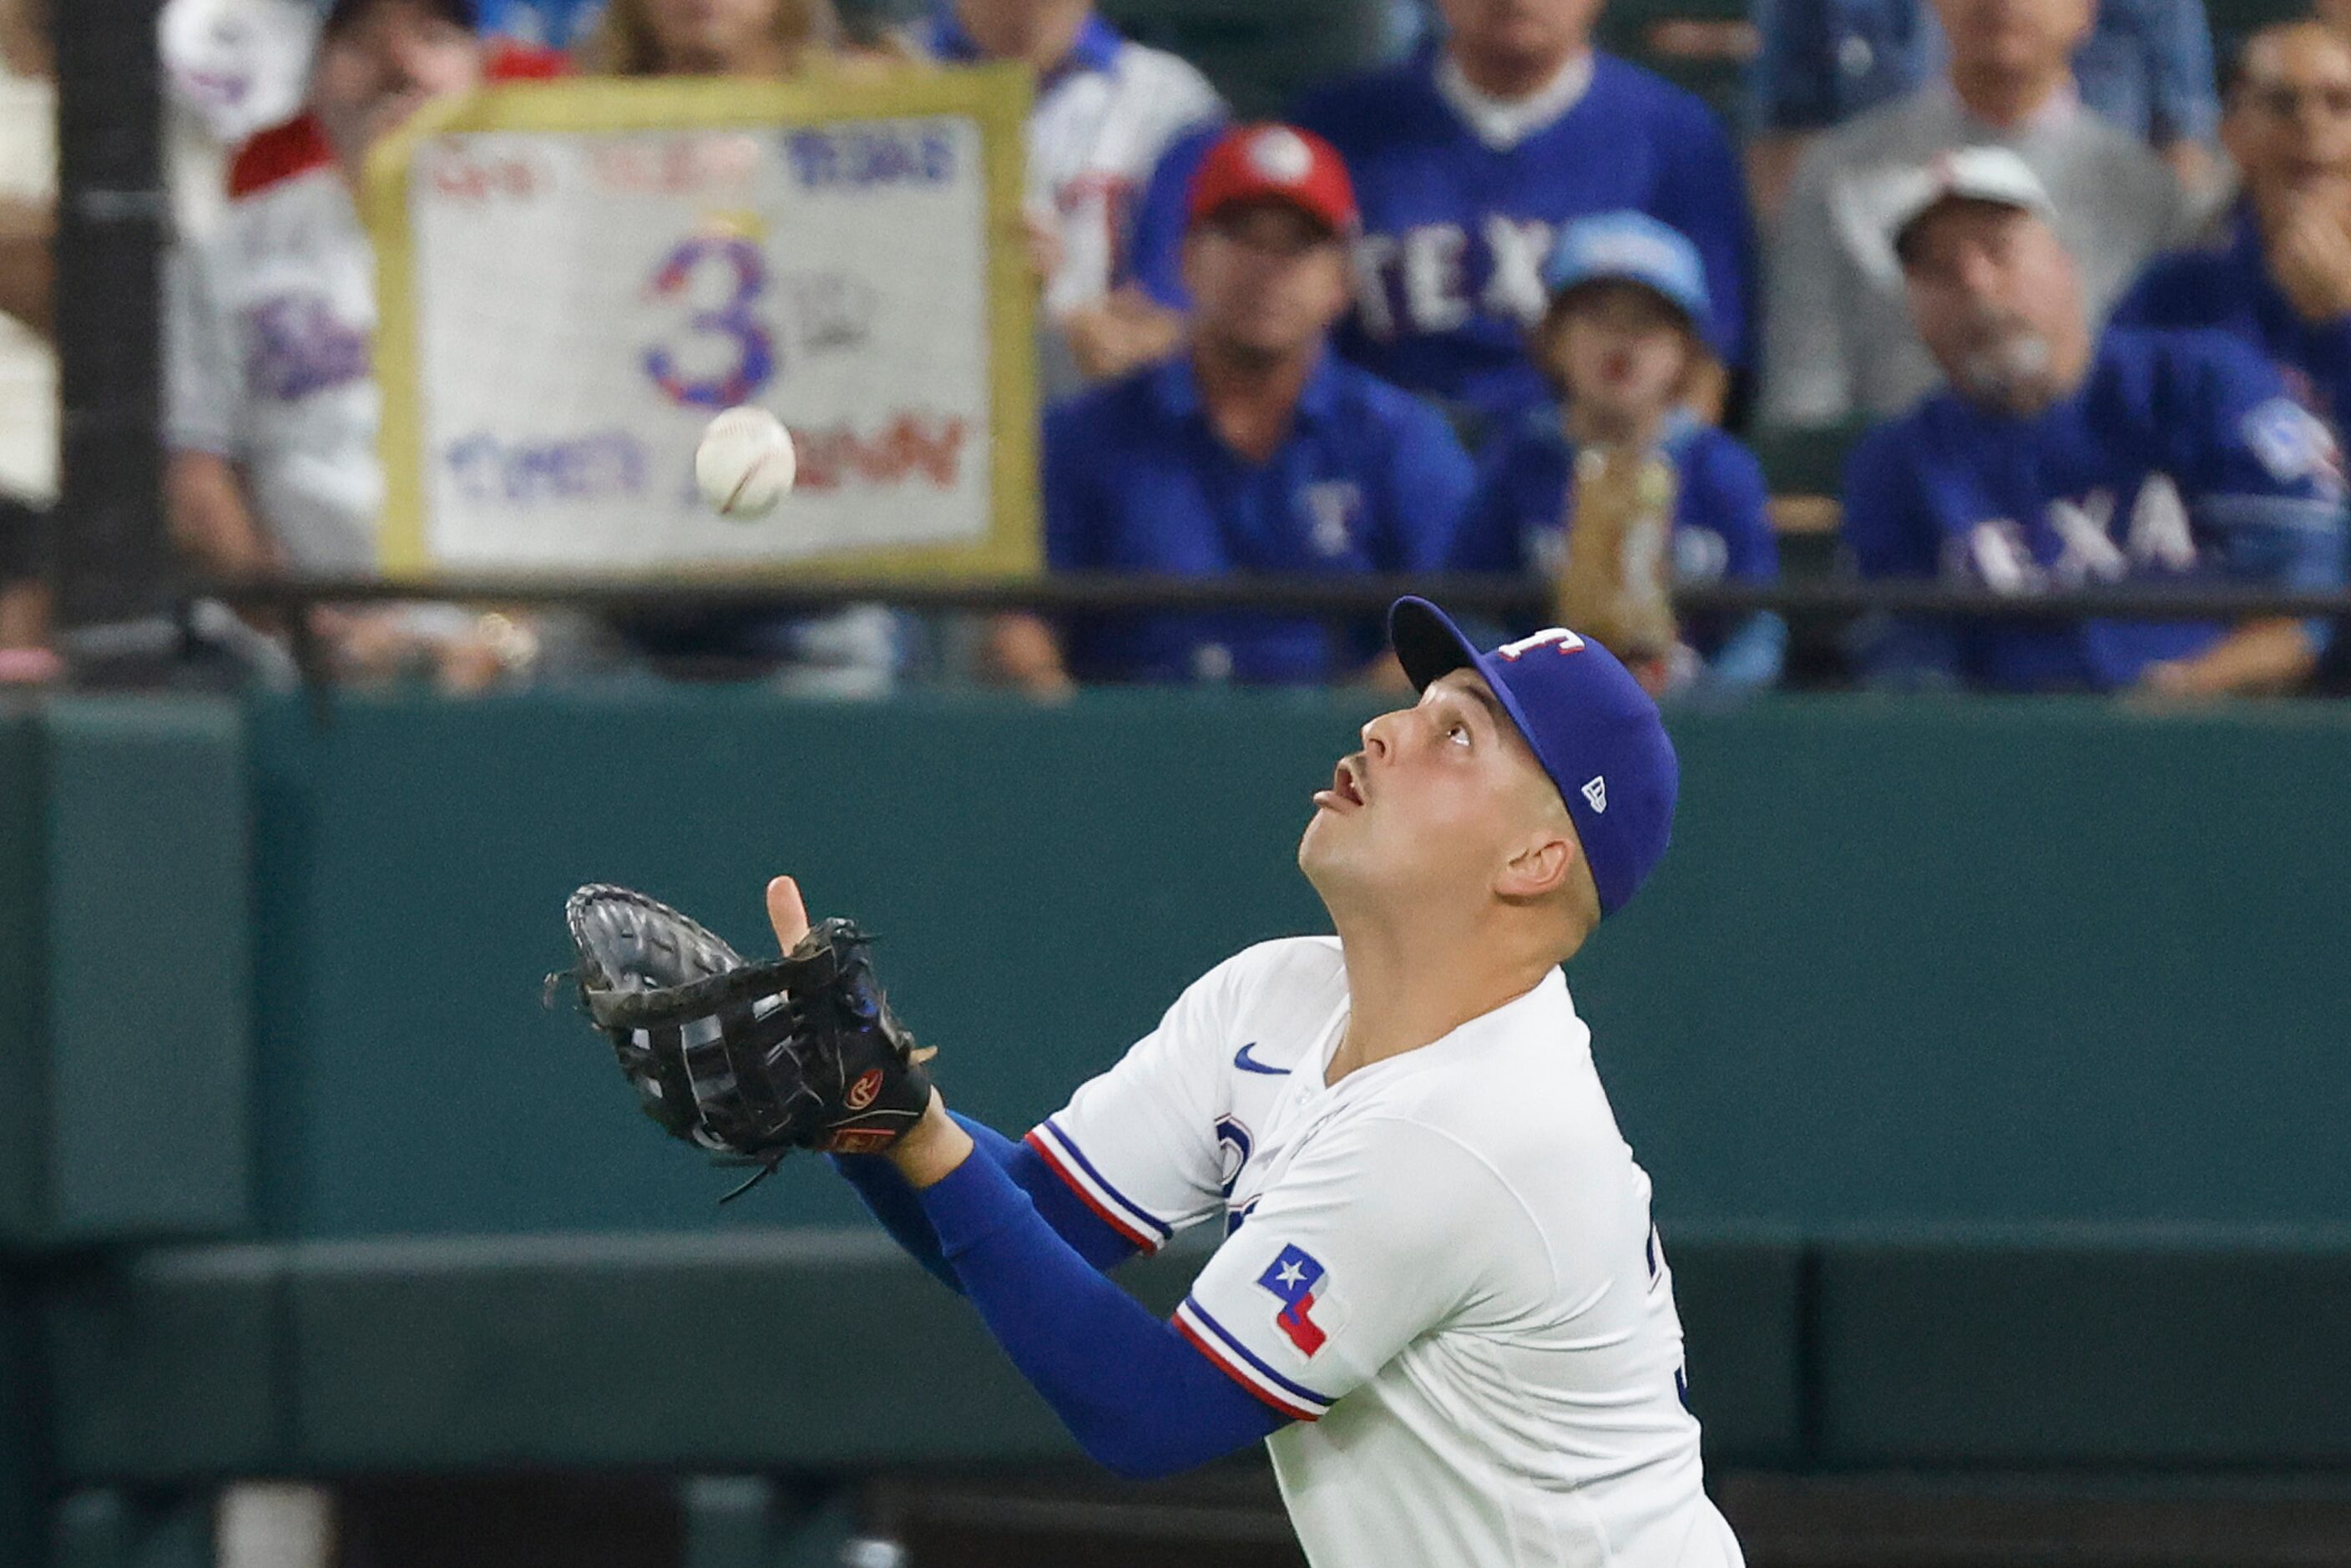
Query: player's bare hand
column 786, row 912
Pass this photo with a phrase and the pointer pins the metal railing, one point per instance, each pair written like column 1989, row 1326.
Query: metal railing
column 1512, row 599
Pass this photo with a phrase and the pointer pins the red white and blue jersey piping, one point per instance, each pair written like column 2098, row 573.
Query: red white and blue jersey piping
column 1129, row 1218
column 1219, row 1344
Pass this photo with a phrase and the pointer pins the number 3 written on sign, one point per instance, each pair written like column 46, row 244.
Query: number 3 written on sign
column 736, row 319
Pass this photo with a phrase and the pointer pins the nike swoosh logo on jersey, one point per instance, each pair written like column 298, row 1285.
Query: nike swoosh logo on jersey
column 1248, row 1063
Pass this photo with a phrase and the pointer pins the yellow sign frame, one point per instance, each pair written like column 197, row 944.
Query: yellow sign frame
column 995, row 96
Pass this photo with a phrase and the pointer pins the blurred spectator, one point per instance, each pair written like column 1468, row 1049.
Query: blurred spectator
column 563, row 24
column 232, row 68
column 272, row 403
column 1469, row 157
column 1107, row 110
column 695, row 37
column 2279, row 277
column 2152, row 457
column 29, row 367
column 1616, row 493
column 2146, row 67
column 1259, row 450
column 855, row 652
column 1838, row 337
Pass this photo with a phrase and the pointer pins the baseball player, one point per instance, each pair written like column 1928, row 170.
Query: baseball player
column 1439, row 1298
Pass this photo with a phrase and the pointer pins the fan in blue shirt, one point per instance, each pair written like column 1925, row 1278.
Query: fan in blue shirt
column 2149, row 456
column 1619, row 344
column 1257, row 451
column 1468, row 159
column 2281, row 278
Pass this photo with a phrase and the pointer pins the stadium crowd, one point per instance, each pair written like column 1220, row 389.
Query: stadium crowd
column 2080, row 308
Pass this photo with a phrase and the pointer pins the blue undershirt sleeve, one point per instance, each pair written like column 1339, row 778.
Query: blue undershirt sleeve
column 1138, row 1398
column 890, row 1201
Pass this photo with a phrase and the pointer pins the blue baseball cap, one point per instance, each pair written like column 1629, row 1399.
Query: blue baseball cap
column 1592, row 726
column 1633, row 247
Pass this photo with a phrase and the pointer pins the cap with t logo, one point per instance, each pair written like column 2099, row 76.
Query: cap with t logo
column 1596, row 733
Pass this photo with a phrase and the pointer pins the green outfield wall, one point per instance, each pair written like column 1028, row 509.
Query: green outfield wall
column 1907, row 963
column 1990, row 1058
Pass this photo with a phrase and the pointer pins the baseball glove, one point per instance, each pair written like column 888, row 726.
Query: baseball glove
column 748, row 1060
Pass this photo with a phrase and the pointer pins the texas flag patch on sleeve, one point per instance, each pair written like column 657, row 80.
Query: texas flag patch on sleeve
column 1294, row 1278
column 1302, row 1311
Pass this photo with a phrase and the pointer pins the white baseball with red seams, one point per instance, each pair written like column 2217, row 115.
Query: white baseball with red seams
column 746, row 463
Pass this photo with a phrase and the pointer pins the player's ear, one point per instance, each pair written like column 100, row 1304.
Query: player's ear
column 1540, row 867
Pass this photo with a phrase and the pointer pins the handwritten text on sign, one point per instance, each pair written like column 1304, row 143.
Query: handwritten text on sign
column 586, row 300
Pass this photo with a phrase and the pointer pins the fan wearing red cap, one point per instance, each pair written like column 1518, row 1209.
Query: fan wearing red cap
column 1254, row 449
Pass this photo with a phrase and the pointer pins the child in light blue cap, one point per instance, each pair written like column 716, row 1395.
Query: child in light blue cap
column 1621, row 345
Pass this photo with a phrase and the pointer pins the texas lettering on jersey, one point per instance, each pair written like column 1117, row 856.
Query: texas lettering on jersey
column 2079, row 546
column 1433, row 276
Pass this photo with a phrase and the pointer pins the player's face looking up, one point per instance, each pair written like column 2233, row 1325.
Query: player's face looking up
column 1998, row 303
column 379, row 66
column 1620, row 353
column 1446, row 815
column 2288, row 124
column 1268, row 280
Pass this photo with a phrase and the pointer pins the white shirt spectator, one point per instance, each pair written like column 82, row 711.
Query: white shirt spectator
column 1101, row 119
column 269, row 325
column 29, row 367
column 232, row 68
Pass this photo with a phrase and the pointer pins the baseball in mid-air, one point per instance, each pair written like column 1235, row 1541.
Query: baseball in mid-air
column 746, row 463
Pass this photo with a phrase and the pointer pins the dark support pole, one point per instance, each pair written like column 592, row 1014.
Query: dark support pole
column 22, row 1421
column 110, row 553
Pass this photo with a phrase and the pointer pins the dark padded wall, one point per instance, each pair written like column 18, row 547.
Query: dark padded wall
column 1916, row 964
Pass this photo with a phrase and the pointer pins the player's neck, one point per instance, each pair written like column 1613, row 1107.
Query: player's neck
column 1038, row 33
column 1403, row 993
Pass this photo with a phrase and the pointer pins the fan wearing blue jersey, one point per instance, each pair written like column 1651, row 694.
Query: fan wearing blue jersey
column 2279, row 277
column 2057, row 462
column 1469, row 158
column 1254, row 450
column 1622, row 337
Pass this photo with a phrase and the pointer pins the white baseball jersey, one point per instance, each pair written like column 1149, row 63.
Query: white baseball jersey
column 269, row 325
column 1442, row 1267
